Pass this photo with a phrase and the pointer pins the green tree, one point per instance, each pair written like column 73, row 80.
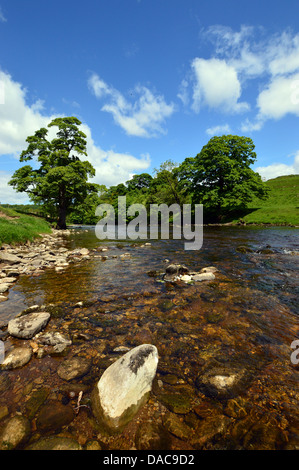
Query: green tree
column 139, row 182
column 60, row 183
column 165, row 187
column 220, row 177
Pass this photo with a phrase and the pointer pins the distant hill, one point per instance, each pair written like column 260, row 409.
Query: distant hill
column 282, row 206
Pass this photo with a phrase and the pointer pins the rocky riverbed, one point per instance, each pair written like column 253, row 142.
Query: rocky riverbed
column 224, row 378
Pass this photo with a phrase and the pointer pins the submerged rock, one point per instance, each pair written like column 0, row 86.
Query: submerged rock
column 18, row 357
column 223, row 382
column 151, row 436
column 53, row 416
column 28, row 325
column 15, row 433
column 124, row 387
column 74, row 368
column 55, row 443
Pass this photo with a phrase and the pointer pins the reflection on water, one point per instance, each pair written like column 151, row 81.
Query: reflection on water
column 237, row 329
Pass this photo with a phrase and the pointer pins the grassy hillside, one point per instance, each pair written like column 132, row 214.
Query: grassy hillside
column 282, row 206
column 18, row 228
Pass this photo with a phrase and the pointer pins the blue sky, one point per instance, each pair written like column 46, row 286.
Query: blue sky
column 150, row 80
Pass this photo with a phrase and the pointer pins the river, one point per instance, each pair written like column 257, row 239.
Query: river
column 239, row 327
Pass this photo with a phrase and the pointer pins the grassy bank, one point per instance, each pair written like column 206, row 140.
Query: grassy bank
column 282, row 206
column 18, row 228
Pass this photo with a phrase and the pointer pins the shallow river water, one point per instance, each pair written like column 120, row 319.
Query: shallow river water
column 237, row 329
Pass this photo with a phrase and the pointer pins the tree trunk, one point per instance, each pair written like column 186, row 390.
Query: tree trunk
column 61, row 224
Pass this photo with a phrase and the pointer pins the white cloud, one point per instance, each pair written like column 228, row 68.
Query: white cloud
column 7, row 194
column 279, row 169
column 217, row 86
column 280, row 97
column 218, row 130
column 284, row 54
column 245, row 55
column 256, row 125
column 18, row 120
column 112, row 167
column 143, row 118
column 239, row 49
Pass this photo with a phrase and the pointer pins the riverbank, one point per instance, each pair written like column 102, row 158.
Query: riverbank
column 17, row 228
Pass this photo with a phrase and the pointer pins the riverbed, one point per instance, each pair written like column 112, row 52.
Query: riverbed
column 237, row 329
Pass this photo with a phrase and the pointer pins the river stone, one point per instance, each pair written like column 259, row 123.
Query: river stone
column 151, row 436
column 53, row 416
column 28, row 325
column 18, row 357
column 15, row 433
column 175, row 426
column 209, row 269
column 7, row 257
column 223, row 382
column 55, row 443
column 74, row 368
column 206, row 276
column 53, row 338
column 4, row 288
column 176, row 269
column 124, row 387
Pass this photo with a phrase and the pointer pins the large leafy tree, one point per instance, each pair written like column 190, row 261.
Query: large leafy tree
column 61, row 180
column 220, row 177
column 139, row 182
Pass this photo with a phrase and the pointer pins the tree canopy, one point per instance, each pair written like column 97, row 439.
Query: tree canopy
column 60, row 183
column 220, row 177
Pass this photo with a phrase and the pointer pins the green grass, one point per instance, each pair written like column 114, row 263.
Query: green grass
column 18, row 228
column 282, row 205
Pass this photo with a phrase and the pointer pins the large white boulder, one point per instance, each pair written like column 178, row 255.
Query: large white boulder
column 124, row 387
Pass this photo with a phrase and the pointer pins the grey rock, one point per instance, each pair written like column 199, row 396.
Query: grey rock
column 28, row 325
column 209, row 269
column 10, row 258
column 206, row 276
column 53, row 338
